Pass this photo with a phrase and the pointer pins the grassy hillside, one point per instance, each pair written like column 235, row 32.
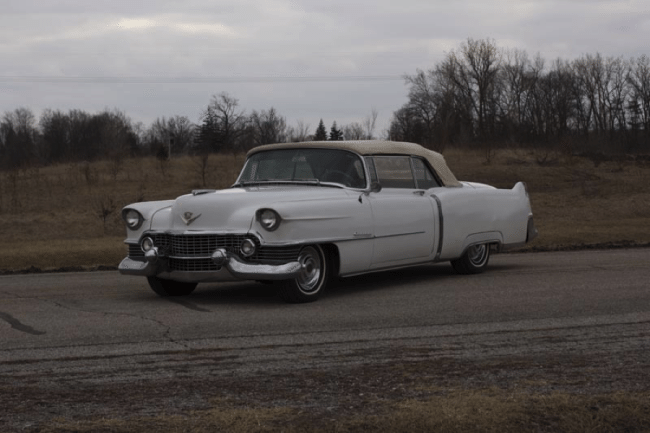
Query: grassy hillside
column 53, row 217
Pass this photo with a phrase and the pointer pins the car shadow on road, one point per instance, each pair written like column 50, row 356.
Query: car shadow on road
column 254, row 293
column 387, row 280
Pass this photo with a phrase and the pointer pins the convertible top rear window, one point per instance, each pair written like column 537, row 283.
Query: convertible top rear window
column 400, row 171
column 300, row 164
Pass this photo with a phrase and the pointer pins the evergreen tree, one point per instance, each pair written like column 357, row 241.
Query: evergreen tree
column 335, row 133
column 321, row 132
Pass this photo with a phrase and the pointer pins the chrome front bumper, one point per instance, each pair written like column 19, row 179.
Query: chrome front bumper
column 232, row 268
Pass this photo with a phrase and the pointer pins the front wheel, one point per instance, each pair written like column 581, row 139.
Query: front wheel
column 474, row 261
column 169, row 287
column 308, row 286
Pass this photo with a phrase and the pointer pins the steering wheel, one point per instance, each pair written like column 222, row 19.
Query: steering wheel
column 339, row 177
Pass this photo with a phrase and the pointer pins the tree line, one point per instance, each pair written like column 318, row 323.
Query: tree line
column 483, row 94
column 479, row 95
column 80, row 136
column 226, row 127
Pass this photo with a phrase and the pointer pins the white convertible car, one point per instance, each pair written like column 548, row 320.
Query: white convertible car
column 303, row 214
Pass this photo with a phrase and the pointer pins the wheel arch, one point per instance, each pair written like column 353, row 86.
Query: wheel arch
column 333, row 255
column 490, row 238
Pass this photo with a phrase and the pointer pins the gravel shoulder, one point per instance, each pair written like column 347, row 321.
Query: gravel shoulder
column 330, row 381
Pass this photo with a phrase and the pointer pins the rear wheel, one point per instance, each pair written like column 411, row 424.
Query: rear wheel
column 316, row 271
column 474, row 261
column 169, row 287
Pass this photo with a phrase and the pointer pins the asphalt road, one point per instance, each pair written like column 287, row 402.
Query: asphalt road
column 99, row 314
column 83, row 345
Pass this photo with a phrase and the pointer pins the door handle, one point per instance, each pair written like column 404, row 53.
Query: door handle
column 419, row 192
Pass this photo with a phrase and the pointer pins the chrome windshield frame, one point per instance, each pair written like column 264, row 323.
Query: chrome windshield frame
column 316, row 182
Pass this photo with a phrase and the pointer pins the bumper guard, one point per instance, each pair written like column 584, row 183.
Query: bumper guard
column 237, row 268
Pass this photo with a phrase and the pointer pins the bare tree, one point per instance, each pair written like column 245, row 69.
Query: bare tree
column 639, row 81
column 55, row 130
column 18, row 137
column 104, row 207
column 473, row 69
column 177, row 133
column 354, row 131
column 405, row 126
column 423, row 103
column 553, row 107
column 369, row 124
column 268, row 127
column 519, row 78
column 201, row 163
column 298, row 133
column 223, row 124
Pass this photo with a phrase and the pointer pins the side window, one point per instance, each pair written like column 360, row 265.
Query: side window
column 394, row 171
column 423, row 175
column 370, row 162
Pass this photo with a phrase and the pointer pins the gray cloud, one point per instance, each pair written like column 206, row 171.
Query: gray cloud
column 231, row 44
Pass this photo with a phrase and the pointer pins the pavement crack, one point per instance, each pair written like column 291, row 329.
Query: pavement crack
column 17, row 325
column 24, row 328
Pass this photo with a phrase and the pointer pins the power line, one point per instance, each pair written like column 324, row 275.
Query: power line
column 197, row 80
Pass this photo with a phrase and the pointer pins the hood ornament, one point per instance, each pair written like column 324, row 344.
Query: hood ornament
column 188, row 218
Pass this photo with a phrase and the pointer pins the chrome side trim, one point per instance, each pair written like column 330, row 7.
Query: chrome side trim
column 399, row 234
column 441, row 221
column 388, row 268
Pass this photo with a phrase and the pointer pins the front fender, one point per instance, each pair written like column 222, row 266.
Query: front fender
column 319, row 220
column 148, row 210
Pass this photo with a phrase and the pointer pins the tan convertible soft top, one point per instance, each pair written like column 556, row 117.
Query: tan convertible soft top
column 377, row 147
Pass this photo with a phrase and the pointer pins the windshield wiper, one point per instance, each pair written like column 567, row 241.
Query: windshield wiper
column 277, row 181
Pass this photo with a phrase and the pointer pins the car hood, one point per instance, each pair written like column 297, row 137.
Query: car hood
column 233, row 210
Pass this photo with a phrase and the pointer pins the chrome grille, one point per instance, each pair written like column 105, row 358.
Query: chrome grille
column 277, row 254
column 135, row 251
column 196, row 245
column 192, row 252
column 192, row 265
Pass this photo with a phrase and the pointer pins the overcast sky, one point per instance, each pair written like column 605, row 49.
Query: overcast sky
column 334, row 60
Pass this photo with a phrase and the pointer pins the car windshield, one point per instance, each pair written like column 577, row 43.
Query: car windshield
column 304, row 165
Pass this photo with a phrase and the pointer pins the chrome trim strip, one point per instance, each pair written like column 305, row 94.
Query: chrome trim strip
column 441, row 221
column 388, row 268
column 399, row 234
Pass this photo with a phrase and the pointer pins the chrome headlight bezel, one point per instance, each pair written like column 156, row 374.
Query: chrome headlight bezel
column 147, row 244
column 269, row 219
column 248, row 248
column 132, row 218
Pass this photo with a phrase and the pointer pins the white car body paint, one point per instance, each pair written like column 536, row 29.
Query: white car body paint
column 394, row 227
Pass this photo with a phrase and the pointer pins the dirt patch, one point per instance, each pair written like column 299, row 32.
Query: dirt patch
column 540, row 393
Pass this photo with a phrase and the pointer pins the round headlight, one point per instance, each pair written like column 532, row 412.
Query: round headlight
column 133, row 219
column 269, row 219
column 247, row 248
column 146, row 244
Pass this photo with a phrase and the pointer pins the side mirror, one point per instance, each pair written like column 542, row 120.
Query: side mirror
column 374, row 187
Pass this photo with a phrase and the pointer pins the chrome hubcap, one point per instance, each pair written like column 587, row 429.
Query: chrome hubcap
column 478, row 254
column 311, row 270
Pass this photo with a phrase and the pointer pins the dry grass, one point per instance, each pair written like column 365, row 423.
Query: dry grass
column 490, row 410
column 575, row 202
column 53, row 217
